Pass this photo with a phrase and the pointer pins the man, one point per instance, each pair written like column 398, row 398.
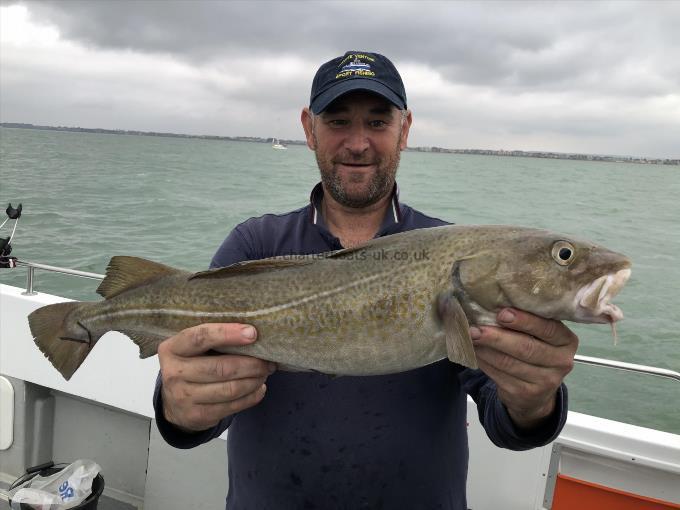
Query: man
column 305, row 440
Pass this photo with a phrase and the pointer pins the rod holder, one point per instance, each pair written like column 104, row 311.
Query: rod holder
column 29, row 282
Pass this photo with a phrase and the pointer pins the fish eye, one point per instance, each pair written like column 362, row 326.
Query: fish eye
column 563, row 252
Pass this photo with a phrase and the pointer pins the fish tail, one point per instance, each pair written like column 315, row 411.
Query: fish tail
column 65, row 346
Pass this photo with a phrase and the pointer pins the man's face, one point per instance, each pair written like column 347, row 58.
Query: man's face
column 358, row 140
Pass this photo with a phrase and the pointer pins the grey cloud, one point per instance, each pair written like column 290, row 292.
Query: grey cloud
column 202, row 30
column 605, row 54
column 517, row 45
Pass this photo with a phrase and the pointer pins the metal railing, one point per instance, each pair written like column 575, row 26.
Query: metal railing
column 627, row 367
column 583, row 360
column 32, row 266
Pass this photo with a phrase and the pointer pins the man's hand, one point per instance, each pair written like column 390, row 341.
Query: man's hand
column 200, row 389
column 528, row 361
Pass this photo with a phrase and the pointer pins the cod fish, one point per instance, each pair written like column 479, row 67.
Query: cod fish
column 393, row 304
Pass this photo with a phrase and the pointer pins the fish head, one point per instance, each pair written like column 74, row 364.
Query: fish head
column 547, row 274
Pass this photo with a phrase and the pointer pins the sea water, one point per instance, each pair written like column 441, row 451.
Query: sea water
column 89, row 196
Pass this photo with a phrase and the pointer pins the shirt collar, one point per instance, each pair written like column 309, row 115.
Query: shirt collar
column 390, row 223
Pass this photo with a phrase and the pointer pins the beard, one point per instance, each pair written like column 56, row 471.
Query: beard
column 380, row 184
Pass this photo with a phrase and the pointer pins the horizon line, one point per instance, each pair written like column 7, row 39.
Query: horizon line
column 435, row 149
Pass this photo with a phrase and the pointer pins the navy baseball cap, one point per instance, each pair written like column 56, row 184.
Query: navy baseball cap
column 356, row 70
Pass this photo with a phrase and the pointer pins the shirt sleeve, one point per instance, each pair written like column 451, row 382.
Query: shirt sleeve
column 496, row 421
column 235, row 248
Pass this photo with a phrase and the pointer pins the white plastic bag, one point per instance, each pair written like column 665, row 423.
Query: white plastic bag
column 62, row 490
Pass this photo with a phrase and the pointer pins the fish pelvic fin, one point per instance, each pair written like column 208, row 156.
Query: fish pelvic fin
column 124, row 273
column 65, row 347
column 459, row 347
column 148, row 344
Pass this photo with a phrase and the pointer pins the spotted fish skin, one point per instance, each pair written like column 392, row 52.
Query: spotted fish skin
column 394, row 304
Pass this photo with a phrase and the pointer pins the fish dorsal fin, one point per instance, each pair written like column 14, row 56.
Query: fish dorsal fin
column 250, row 267
column 340, row 254
column 372, row 244
column 124, row 273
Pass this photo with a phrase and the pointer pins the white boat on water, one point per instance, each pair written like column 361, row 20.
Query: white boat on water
column 105, row 413
column 278, row 145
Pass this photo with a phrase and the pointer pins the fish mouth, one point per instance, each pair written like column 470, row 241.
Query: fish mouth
column 594, row 300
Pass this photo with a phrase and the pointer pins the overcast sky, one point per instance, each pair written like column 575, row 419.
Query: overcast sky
column 590, row 77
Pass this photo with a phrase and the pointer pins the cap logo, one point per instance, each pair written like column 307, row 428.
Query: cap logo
column 356, row 70
column 356, row 65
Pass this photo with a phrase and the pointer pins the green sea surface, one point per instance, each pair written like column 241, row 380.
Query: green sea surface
column 89, row 196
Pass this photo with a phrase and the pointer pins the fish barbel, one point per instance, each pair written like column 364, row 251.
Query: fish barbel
column 393, row 304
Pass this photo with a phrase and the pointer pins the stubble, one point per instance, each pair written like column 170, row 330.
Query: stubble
column 379, row 186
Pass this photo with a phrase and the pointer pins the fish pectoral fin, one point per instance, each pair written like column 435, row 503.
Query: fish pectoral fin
column 456, row 330
column 124, row 273
column 148, row 344
column 249, row 267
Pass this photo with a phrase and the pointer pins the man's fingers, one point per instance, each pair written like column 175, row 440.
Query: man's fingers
column 225, row 391
column 218, row 368
column 520, row 373
column 242, row 403
column 204, row 416
column 200, row 385
column 508, row 365
column 504, row 381
column 205, row 337
column 548, row 330
column 520, row 346
column 528, row 357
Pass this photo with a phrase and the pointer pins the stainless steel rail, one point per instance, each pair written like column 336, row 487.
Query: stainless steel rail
column 32, row 266
column 628, row 367
column 584, row 360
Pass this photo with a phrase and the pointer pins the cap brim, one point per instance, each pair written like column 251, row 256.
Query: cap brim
column 322, row 101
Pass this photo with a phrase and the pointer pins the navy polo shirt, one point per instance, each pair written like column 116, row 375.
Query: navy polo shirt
column 391, row 441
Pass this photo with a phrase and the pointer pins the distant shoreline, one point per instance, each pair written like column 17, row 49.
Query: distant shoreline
column 254, row 139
